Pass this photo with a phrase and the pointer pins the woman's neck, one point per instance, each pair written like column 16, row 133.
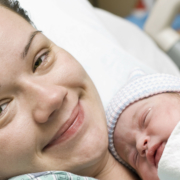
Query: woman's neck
column 114, row 170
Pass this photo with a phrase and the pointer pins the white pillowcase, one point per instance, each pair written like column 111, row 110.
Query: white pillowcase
column 73, row 25
column 136, row 42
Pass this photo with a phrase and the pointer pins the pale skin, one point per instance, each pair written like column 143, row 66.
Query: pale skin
column 143, row 129
column 41, row 88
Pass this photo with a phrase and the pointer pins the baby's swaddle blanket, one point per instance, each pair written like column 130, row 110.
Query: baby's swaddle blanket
column 169, row 164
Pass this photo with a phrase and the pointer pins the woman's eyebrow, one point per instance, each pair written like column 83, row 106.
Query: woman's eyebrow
column 31, row 37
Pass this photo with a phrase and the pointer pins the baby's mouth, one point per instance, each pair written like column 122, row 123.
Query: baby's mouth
column 158, row 153
column 155, row 152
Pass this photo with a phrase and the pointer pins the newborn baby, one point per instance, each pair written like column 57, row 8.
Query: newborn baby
column 141, row 118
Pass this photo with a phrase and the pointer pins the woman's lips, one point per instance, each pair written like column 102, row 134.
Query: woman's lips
column 70, row 127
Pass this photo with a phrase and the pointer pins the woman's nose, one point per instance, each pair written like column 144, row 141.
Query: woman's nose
column 142, row 145
column 44, row 100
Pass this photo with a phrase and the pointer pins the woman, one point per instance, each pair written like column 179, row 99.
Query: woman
column 51, row 114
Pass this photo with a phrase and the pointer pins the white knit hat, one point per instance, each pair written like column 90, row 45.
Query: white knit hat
column 140, row 88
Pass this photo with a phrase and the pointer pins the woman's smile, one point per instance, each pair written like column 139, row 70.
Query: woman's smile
column 69, row 128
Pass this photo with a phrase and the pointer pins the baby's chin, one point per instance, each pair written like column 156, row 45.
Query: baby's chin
column 150, row 175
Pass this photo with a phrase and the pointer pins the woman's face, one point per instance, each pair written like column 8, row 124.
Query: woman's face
column 51, row 116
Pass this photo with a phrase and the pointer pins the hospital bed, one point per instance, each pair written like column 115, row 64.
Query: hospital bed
column 107, row 46
column 158, row 26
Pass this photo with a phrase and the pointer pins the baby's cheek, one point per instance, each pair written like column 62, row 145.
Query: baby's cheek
column 119, row 145
column 146, row 171
column 117, row 142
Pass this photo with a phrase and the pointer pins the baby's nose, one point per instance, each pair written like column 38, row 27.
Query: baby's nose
column 142, row 146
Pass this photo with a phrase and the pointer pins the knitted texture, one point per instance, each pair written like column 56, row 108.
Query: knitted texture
column 140, row 88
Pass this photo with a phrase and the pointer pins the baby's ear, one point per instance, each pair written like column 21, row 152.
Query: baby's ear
column 136, row 73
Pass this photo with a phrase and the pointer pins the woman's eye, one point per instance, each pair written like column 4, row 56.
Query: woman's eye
column 3, row 107
column 40, row 60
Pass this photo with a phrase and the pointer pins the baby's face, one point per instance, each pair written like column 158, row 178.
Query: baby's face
column 143, row 129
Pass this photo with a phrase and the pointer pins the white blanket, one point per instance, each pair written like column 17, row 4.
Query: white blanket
column 169, row 165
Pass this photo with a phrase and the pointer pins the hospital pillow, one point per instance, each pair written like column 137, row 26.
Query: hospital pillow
column 136, row 42
column 74, row 26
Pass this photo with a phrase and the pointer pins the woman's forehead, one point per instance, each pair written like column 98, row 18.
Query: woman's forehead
column 14, row 30
column 15, row 33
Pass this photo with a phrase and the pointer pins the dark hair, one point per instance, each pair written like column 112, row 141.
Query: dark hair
column 14, row 6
